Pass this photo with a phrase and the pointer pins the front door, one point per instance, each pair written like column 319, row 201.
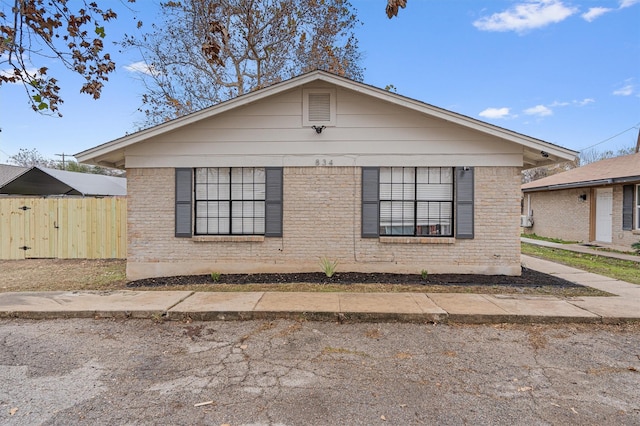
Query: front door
column 604, row 210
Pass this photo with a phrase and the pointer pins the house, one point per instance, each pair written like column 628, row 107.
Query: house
column 599, row 203
column 42, row 181
column 322, row 166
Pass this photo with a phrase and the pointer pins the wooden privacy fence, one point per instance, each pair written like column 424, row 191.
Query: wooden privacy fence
column 63, row 228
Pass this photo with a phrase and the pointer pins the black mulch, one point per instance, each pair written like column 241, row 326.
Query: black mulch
column 528, row 278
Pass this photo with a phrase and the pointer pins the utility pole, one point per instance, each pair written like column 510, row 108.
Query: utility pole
column 63, row 163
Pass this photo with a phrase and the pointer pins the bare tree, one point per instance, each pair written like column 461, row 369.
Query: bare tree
column 31, row 158
column 585, row 157
column 591, row 155
column 206, row 51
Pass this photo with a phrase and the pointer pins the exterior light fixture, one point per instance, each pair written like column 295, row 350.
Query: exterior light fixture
column 545, row 154
column 318, row 129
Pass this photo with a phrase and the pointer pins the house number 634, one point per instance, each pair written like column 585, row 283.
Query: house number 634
column 324, row 162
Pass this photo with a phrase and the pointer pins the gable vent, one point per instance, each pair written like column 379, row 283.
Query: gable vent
column 319, row 107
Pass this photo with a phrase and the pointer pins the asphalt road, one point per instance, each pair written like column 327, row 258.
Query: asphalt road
column 289, row 373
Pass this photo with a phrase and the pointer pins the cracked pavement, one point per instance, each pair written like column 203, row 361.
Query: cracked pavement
column 281, row 372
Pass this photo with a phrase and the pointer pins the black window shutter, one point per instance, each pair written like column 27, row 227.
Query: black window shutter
column 464, row 202
column 370, row 202
column 273, row 202
column 184, row 191
column 627, row 207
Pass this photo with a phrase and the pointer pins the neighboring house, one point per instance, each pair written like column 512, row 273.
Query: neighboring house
column 9, row 172
column 44, row 182
column 599, row 202
column 49, row 213
column 322, row 166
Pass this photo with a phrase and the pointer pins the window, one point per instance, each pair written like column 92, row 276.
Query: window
column 637, row 207
column 230, row 201
column 416, row 201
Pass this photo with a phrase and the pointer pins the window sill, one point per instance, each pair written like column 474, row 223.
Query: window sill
column 635, row 232
column 228, row 238
column 417, row 240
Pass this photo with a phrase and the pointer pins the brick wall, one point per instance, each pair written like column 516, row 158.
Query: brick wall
column 620, row 238
column 560, row 214
column 322, row 218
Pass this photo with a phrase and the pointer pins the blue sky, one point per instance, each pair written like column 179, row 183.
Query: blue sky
column 564, row 71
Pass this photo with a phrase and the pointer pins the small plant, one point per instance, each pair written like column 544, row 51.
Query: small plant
column 328, row 266
column 215, row 276
column 424, row 274
column 636, row 247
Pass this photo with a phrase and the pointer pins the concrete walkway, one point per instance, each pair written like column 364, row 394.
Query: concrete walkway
column 581, row 248
column 623, row 305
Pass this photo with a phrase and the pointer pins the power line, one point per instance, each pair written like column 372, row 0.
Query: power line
column 612, row 137
column 63, row 155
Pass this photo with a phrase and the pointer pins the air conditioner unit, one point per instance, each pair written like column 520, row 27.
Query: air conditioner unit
column 526, row 221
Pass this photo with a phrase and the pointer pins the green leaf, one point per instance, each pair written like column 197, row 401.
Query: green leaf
column 42, row 106
column 100, row 32
column 37, row 98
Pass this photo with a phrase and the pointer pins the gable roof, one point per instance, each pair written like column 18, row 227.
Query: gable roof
column 9, row 172
column 44, row 181
column 612, row 170
column 536, row 152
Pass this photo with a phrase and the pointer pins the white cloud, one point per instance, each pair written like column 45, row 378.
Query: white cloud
column 595, row 12
column 628, row 3
column 526, row 16
column 585, row 101
column 578, row 103
column 141, row 67
column 539, row 110
column 495, row 113
column 624, row 91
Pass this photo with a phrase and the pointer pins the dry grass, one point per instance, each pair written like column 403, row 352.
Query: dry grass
column 61, row 275
column 102, row 275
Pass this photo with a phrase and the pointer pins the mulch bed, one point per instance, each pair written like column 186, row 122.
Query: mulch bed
column 529, row 278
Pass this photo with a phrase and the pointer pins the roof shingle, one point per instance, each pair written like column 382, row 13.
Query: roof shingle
column 622, row 168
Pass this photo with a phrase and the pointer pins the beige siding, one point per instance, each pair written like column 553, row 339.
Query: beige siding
column 321, row 219
column 367, row 132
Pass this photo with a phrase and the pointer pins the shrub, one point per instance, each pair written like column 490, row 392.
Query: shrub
column 636, row 247
column 424, row 274
column 215, row 276
column 328, row 266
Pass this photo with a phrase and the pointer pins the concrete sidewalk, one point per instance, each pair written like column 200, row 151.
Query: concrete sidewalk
column 581, row 248
column 623, row 305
